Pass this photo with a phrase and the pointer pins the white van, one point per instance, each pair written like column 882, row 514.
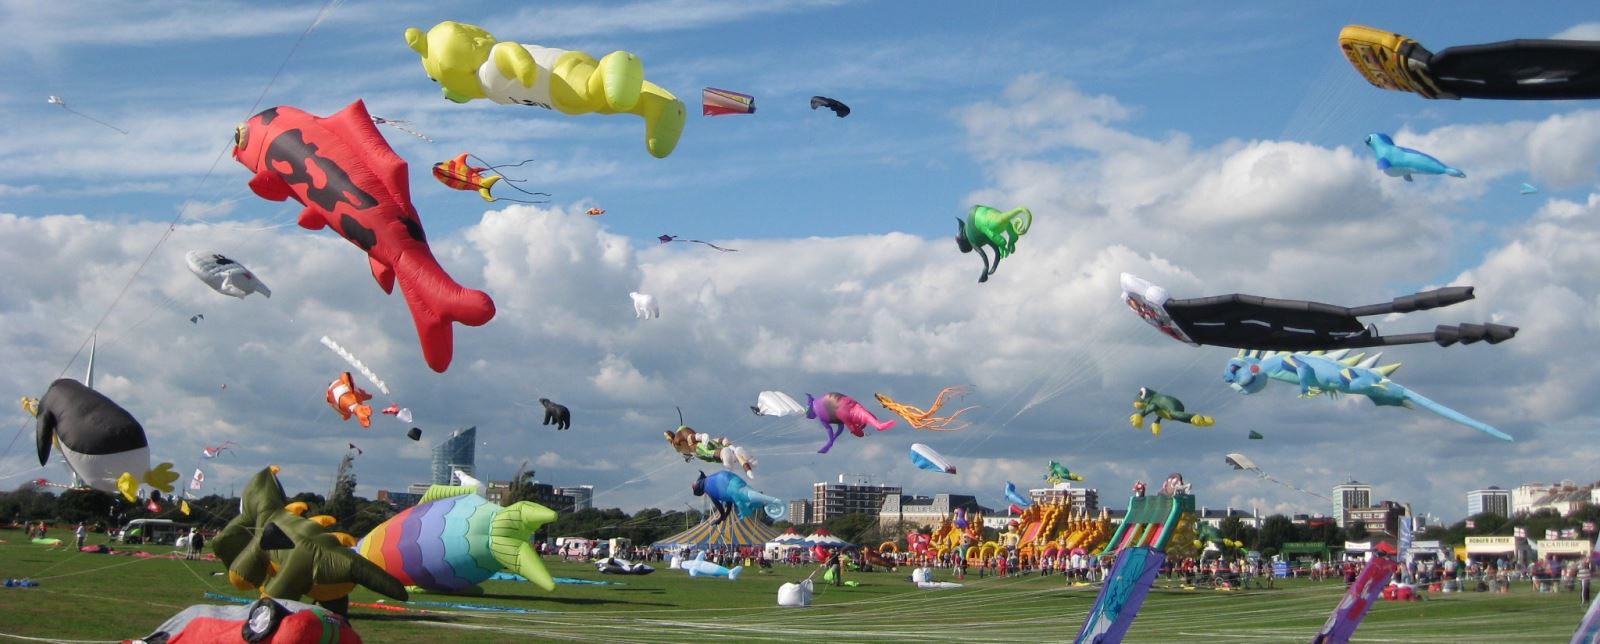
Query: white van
column 153, row 531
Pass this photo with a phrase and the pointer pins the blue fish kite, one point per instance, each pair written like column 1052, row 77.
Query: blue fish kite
column 1397, row 161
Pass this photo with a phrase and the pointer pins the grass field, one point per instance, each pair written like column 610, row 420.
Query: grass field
column 91, row 597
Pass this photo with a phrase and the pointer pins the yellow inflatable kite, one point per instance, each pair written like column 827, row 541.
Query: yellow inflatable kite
column 468, row 63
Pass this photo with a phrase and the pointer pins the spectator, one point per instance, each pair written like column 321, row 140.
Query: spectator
column 198, row 544
column 82, row 533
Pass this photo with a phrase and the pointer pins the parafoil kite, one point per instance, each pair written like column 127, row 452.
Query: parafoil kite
column 1241, row 462
column 1527, row 189
column 1319, row 373
column 985, row 226
column 57, row 100
column 468, row 63
column 1398, row 161
column 460, row 174
column 644, row 306
column 1057, row 474
column 1164, row 407
column 1251, row 321
column 1255, row 435
column 594, row 212
column 1015, row 498
column 349, row 179
column 925, row 419
column 839, row 109
column 667, row 239
column 224, row 275
column 728, row 493
column 925, row 458
column 349, row 400
column 838, row 412
column 102, row 443
column 555, row 414
column 1511, row 69
column 211, row 451
column 775, row 403
column 455, row 538
column 195, row 319
column 270, row 547
column 721, row 102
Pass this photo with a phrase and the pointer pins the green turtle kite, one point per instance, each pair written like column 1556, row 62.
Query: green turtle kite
column 1165, row 408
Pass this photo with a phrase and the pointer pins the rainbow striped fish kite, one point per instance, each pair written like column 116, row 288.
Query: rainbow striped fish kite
column 454, row 538
column 721, row 102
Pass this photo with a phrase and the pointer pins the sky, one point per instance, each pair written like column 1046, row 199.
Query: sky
column 1210, row 148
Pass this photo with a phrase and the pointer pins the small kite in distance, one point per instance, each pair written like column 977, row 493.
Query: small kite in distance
column 667, row 239
column 1527, row 189
column 57, row 100
column 595, row 212
column 403, row 126
column 838, row 108
column 721, row 102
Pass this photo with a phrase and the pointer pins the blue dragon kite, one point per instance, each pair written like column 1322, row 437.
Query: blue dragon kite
column 1332, row 373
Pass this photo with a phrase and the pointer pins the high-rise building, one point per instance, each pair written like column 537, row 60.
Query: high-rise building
column 1523, row 497
column 1350, row 496
column 829, row 500
column 1492, row 500
column 455, row 453
column 799, row 511
column 582, row 496
column 542, row 493
column 1079, row 499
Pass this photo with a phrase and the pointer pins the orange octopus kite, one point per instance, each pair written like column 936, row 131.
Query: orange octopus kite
column 925, row 419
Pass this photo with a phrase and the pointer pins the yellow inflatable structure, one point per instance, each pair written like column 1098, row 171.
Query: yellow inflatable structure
column 468, row 63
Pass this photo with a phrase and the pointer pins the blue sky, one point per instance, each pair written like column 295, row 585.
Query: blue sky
column 1211, row 147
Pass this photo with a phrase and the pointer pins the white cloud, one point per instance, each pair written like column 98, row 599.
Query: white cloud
column 1580, row 31
column 651, row 16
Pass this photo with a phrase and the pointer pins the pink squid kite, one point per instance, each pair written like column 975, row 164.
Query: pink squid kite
column 838, row 412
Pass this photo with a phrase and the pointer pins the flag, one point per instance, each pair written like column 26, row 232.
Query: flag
column 1361, row 596
column 1551, row 534
column 184, row 506
column 1520, row 532
column 1407, row 530
column 357, row 449
column 198, row 478
column 1569, row 533
column 1471, row 524
column 1124, row 591
column 1588, row 526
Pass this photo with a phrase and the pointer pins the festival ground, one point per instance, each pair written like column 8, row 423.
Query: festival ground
column 93, row 597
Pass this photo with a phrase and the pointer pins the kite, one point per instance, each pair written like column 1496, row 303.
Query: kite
column 1510, row 69
column 644, row 306
column 224, row 275
column 1250, row 321
column 594, row 212
column 667, row 239
column 195, row 319
column 838, row 412
column 691, row 444
column 1015, row 498
column 615, row 566
column 721, row 102
column 467, row 63
column 403, row 126
column 103, row 445
column 196, row 481
column 211, row 451
column 400, row 413
column 455, row 539
column 989, row 227
column 271, row 548
column 1057, row 474
column 775, row 403
column 1165, row 408
column 459, row 174
column 349, row 179
column 839, row 109
column 1362, row 594
column 1332, row 374
column 920, row 419
column 349, row 400
column 1255, row 435
column 728, row 493
column 699, row 567
column 415, row 434
column 1241, row 462
column 264, row 620
column 1527, row 189
column 555, row 414
column 394, row 409
column 1397, row 161
column 925, row 458
column 57, row 100
column 352, row 447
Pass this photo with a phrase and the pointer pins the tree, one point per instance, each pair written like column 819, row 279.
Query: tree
column 856, row 528
column 1275, row 531
column 1356, row 531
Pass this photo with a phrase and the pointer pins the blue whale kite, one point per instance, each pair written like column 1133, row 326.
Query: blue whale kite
column 1397, row 161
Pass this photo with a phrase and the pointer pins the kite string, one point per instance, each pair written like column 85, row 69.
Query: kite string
column 172, row 225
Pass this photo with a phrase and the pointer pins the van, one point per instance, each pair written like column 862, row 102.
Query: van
column 152, row 531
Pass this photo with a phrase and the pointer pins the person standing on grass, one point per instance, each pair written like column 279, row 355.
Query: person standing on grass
column 82, row 533
column 198, row 544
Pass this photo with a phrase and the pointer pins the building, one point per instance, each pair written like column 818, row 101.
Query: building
column 1080, row 499
column 1382, row 519
column 1564, row 500
column 799, row 511
column 418, row 489
column 1214, row 517
column 399, row 500
column 1524, row 496
column 582, row 496
column 543, row 493
column 455, row 453
column 900, row 512
column 829, row 500
column 1491, row 500
column 1354, row 494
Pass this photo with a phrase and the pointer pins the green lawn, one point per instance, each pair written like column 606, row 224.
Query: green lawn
column 103, row 597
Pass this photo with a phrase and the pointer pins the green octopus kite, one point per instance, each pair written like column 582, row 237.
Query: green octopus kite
column 1165, row 408
column 987, row 226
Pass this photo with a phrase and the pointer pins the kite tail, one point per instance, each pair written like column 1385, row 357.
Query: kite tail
column 1021, row 220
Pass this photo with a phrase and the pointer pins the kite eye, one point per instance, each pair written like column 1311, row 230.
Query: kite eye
column 1255, row 368
column 239, row 134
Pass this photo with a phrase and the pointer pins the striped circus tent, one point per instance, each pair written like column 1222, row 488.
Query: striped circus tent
column 731, row 533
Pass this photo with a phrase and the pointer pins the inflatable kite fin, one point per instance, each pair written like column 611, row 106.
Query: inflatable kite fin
column 45, row 434
column 161, row 478
column 128, row 486
column 733, row 575
column 436, row 492
column 274, row 538
column 31, row 405
column 508, row 541
column 484, row 184
column 382, row 273
column 436, row 301
column 271, row 186
column 310, row 219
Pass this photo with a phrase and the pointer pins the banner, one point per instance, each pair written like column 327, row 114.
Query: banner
column 1588, row 526
column 1362, row 594
column 1125, row 589
column 1407, row 532
column 1552, row 534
